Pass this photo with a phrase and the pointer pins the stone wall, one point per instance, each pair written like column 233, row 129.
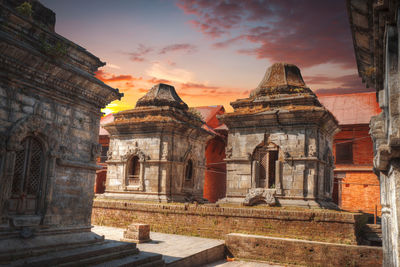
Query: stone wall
column 164, row 163
column 299, row 149
column 309, row 253
column 216, row 222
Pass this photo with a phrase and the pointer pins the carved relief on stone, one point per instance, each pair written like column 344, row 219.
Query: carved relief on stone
column 257, row 195
column 34, row 125
column 134, row 151
column 109, row 155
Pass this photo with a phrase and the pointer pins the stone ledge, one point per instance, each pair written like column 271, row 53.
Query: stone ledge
column 294, row 251
column 301, row 215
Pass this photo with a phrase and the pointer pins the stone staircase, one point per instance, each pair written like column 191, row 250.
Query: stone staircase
column 372, row 235
column 101, row 253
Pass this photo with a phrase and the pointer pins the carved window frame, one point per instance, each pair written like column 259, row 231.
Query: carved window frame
column 130, row 154
column 49, row 137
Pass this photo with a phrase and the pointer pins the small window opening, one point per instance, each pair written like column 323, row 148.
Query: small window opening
column 133, row 171
column 189, row 170
column 344, row 153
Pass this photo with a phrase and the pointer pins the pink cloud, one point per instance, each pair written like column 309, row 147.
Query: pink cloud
column 186, row 48
column 140, row 53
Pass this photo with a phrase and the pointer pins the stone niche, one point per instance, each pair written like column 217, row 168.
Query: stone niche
column 157, row 150
column 50, row 105
column 280, row 144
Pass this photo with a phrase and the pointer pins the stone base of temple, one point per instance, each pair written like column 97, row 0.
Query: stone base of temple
column 283, row 202
column 72, row 249
column 161, row 198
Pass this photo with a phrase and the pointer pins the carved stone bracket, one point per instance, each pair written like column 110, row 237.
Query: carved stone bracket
column 257, row 195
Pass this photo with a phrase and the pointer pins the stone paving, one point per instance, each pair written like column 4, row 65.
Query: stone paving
column 175, row 247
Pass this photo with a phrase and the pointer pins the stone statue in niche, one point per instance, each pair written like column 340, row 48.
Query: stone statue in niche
column 228, row 152
column 109, row 155
column 164, row 154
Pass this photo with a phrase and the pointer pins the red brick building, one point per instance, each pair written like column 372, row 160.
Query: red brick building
column 356, row 187
column 104, row 140
column 215, row 176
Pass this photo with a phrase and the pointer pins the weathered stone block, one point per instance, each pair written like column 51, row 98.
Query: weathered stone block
column 137, row 232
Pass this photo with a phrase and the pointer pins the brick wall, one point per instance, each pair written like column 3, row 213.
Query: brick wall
column 363, row 153
column 215, row 175
column 309, row 253
column 360, row 192
column 216, row 222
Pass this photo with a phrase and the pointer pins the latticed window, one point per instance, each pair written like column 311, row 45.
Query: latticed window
column 133, row 171
column 27, row 176
column 266, row 158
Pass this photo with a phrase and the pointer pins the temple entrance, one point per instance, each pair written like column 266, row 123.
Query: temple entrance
column 28, row 172
column 265, row 158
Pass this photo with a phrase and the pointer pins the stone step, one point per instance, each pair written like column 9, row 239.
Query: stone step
column 81, row 256
column 143, row 259
column 36, row 252
column 372, row 234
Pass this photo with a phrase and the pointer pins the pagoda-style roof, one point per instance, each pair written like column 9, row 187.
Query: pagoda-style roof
column 162, row 95
column 281, row 98
column 281, row 78
column 281, row 86
column 159, row 109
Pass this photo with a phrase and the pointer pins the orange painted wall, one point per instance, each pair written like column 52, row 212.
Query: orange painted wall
column 215, row 175
column 359, row 187
column 101, row 175
column 360, row 192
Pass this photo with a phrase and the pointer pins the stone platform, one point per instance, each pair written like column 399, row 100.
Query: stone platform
column 177, row 250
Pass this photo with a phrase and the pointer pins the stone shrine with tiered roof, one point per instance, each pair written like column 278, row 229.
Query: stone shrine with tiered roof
column 157, row 149
column 280, row 143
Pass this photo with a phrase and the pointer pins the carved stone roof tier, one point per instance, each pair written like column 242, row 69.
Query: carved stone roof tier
column 281, row 78
column 160, row 109
column 281, row 86
column 281, row 99
column 29, row 48
column 367, row 21
column 162, row 95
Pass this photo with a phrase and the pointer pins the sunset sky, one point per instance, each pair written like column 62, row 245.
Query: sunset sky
column 212, row 52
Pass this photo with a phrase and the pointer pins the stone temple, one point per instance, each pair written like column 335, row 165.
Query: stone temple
column 157, row 149
column 279, row 143
column 50, row 105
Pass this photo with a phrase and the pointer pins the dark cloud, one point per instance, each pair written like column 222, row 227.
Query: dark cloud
column 306, row 33
column 140, row 53
column 187, row 48
column 348, row 84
